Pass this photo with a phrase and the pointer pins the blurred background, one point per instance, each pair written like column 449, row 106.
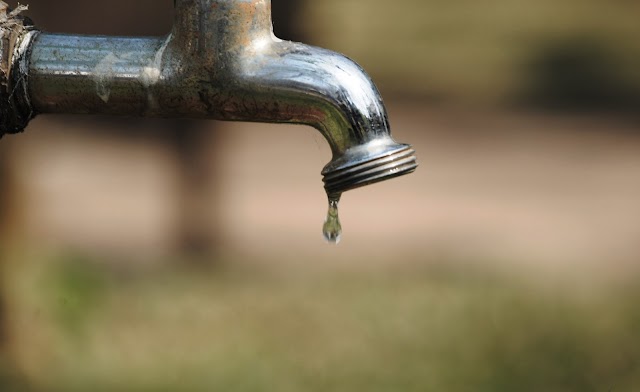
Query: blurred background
column 150, row 255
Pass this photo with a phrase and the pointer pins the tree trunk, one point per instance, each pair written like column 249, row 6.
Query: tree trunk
column 189, row 140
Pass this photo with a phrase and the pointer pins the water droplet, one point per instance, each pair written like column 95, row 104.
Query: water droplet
column 332, row 229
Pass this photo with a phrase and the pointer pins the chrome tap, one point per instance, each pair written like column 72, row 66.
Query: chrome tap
column 220, row 61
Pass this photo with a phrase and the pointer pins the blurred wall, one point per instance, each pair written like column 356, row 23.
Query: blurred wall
column 140, row 17
column 492, row 182
column 581, row 53
column 551, row 193
column 554, row 193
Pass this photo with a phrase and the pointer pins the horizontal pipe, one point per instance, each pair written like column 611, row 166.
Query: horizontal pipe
column 280, row 81
column 94, row 74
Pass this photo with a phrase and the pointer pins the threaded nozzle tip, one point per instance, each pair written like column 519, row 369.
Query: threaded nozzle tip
column 391, row 163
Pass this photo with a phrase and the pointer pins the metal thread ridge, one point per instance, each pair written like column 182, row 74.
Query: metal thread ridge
column 381, row 168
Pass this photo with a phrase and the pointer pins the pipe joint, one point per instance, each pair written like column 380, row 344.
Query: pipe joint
column 16, row 36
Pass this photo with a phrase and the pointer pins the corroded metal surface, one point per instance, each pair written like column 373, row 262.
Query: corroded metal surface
column 222, row 61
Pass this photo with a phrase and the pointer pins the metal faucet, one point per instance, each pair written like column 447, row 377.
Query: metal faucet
column 220, row 61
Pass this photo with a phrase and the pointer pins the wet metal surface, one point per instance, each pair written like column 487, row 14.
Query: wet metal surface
column 222, row 61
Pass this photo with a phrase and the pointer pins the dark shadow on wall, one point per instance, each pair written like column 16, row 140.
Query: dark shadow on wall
column 578, row 74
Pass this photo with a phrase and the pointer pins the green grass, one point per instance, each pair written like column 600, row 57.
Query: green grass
column 78, row 326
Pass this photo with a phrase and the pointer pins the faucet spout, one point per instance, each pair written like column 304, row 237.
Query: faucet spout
column 220, row 61
column 317, row 87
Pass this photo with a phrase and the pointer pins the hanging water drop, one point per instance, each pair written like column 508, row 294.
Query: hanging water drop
column 332, row 229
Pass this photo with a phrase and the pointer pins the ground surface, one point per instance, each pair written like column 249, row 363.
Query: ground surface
column 508, row 261
column 556, row 191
